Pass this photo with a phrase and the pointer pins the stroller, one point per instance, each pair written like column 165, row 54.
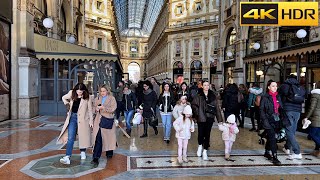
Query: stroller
column 280, row 136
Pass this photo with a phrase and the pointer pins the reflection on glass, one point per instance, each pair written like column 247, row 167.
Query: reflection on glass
column 47, row 89
column 62, row 89
column 47, row 68
column 63, row 69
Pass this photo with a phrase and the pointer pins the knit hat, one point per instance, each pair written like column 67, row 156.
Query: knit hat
column 187, row 110
column 231, row 119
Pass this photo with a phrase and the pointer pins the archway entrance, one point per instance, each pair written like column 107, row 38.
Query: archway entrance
column 134, row 72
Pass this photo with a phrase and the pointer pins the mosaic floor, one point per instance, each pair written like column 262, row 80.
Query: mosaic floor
column 28, row 151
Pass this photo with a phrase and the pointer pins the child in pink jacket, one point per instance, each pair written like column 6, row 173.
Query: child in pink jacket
column 183, row 126
column 229, row 131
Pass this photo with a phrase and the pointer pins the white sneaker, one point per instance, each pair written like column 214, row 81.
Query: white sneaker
column 287, row 151
column 65, row 160
column 204, row 155
column 199, row 152
column 83, row 155
column 295, row 156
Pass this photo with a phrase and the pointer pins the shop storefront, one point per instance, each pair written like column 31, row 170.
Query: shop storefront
column 62, row 65
column 178, row 72
column 196, row 71
column 302, row 60
column 5, row 59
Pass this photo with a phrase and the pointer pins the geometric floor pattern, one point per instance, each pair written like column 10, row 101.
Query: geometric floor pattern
column 50, row 167
column 215, row 161
column 29, row 151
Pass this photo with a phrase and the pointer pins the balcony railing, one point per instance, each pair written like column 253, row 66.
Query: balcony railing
column 95, row 21
column 179, row 25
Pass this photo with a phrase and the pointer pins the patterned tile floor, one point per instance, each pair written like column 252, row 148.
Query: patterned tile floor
column 29, row 151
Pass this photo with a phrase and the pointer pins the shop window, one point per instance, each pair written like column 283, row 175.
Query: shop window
column 198, row 6
column 47, row 69
column 179, row 9
column 178, row 48
column 288, row 37
column 47, row 90
column 134, row 50
column 99, row 5
column 99, row 44
column 63, row 69
column 217, row 3
column 196, row 47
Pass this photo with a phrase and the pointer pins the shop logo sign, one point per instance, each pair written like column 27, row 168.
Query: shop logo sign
column 279, row 14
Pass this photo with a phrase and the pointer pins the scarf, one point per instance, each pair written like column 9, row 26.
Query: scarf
column 275, row 102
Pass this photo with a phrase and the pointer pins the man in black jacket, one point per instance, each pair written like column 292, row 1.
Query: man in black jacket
column 293, row 111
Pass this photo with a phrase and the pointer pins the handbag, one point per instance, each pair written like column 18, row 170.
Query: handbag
column 106, row 123
column 153, row 120
column 211, row 109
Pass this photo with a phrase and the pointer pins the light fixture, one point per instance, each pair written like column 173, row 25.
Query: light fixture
column 304, row 69
column 259, row 73
column 71, row 39
column 256, row 46
column 47, row 23
column 301, row 33
column 302, row 74
column 229, row 53
column 133, row 49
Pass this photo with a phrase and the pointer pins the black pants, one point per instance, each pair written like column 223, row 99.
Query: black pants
column 204, row 130
column 271, row 144
column 97, row 150
column 241, row 119
column 119, row 109
column 255, row 114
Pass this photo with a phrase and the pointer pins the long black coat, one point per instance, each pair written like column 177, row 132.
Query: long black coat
column 267, row 111
column 149, row 103
column 230, row 101
column 199, row 106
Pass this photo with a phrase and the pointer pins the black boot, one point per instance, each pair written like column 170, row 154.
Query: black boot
column 145, row 129
column 267, row 155
column 275, row 160
column 109, row 154
column 95, row 161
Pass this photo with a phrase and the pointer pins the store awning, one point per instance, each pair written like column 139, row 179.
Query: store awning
column 284, row 52
column 49, row 48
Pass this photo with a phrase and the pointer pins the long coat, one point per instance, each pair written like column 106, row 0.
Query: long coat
column 314, row 110
column 85, row 117
column 109, row 139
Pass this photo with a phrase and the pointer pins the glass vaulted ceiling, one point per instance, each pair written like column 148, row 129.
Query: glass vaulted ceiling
column 139, row 15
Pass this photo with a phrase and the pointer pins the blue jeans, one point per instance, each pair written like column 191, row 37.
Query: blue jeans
column 72, row 132
column 128, row 116
column 166, row 122
column 315, row 135
column 291, row 132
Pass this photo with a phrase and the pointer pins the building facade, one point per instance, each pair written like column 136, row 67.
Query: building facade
column 183, row 45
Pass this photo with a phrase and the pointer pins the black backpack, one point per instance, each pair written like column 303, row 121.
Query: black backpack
column 296, row 94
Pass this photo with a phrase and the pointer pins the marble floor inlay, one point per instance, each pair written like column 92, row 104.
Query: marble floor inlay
column 171, row 162
column 50, row 167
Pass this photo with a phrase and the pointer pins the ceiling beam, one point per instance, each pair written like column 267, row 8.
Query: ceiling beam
column 146, row 6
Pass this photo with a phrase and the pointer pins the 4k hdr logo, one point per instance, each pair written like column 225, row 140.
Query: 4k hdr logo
column 279, row 13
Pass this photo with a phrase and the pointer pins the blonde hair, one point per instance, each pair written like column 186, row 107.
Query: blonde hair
column 107, row 87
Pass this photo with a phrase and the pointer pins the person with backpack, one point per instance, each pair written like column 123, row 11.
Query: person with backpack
column 253, row 105
column 292, row 95
column 230, row 102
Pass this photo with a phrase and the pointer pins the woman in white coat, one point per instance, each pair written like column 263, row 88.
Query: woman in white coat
column 79, row 121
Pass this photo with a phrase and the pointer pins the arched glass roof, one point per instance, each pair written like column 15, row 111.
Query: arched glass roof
column 137, row 14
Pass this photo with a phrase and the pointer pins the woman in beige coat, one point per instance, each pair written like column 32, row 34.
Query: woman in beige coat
column 104, row 139
column 79, row 121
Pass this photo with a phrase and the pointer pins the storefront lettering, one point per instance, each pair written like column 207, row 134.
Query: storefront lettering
column 314, row 58
column 286, row 36
column 51, row 46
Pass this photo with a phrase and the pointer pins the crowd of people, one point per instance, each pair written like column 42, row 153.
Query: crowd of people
column 271, row 111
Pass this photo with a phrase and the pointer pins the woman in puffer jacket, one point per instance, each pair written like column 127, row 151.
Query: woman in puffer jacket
column 313, row 115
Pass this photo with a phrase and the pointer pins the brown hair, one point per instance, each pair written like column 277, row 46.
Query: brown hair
column 82, row 87
column 107, row 87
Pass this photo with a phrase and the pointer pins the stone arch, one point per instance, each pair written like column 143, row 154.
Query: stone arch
column 225, row 34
